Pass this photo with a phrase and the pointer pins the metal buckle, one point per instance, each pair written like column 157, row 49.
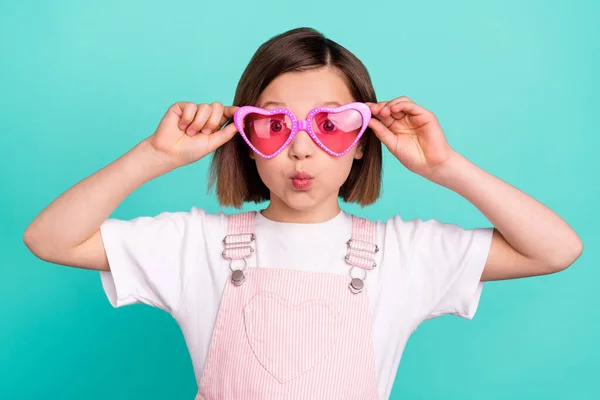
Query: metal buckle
column 358, row 251
column 232, row 242
column 236, row 248
column 347, row 258
column 374, row 251
column 226, row 242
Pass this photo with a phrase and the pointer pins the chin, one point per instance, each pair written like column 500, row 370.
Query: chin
column 300, row 201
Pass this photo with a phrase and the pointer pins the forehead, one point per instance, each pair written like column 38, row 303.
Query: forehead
column 301, row 91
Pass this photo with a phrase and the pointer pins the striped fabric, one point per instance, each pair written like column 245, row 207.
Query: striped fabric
column 289, row 334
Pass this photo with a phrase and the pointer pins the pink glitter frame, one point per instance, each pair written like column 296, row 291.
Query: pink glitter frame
column 302, row 125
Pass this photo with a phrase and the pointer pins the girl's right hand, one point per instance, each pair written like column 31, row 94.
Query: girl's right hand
column 188, row 132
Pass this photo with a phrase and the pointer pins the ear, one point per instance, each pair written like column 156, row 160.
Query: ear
column 359, row 153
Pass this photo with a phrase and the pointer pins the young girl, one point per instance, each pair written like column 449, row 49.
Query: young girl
column 300, row 300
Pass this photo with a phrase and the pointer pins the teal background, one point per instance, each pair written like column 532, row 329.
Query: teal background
column 514, row 85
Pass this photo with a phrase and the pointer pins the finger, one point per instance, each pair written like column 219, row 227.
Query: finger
column 189, row 111
column 387, row 109
column 202, row 114
column 173, row 115
column 403, row 108
column 387, row 121
column 228, row 113
column 376, row 112
column 221, row 137
column 215, row 117
column 395, row 110
column 376, row 107
column 386, row 136
column 398, row 100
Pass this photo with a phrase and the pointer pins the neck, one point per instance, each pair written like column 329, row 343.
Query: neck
column 279, row 211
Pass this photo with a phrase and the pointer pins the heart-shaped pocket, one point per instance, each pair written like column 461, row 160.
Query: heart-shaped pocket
column 290, row 339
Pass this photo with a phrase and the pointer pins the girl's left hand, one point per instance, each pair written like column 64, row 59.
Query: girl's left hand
column 412, row 134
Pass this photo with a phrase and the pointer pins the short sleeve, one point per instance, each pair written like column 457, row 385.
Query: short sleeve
column 148, row 257
column 446, row 262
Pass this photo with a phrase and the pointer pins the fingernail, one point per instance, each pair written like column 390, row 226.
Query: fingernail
column 205, row 130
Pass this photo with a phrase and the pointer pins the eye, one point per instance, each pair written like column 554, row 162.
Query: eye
column 276, row 126
column 328, row 126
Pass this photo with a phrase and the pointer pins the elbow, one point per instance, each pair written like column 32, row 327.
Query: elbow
column 33, row 243
column 29, row 240
column 571, row 253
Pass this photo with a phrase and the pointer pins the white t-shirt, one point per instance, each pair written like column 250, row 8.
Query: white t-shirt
column 173, row 261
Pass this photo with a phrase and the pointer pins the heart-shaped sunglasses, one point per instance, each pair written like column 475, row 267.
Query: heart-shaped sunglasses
column 335, row 130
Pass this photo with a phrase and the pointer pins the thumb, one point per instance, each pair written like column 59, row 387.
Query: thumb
column 221, row 137
column 386, row 136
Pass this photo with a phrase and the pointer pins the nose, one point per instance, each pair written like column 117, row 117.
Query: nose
column 302, row 146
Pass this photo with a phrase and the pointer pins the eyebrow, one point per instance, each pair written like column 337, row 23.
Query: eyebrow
column 281, row 104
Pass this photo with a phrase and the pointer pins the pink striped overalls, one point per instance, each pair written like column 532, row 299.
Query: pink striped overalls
column 289, row 334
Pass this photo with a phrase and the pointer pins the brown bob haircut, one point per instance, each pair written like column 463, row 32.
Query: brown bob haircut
column 235, row 173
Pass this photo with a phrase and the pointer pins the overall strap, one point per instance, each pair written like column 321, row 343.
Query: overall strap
column 238, row 242
column 362, row 247
column 362, row 250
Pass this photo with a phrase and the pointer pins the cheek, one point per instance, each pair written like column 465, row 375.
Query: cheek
column 338, row 169
column 269, row 170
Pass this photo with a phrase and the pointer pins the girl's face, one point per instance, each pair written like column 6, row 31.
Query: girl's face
column 303, row 177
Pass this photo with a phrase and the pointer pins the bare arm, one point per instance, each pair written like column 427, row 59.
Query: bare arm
column 529, row 239
column 67, row 231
